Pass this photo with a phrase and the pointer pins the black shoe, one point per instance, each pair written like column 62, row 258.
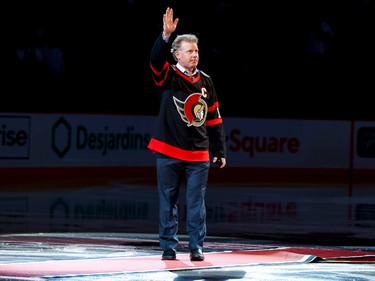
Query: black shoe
column 169, row 254
column 196, row 255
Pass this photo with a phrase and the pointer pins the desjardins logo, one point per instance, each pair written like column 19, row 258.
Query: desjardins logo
column 61, row 137
column 65, row 138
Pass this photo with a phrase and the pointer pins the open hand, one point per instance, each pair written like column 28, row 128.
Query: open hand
column 169, row 24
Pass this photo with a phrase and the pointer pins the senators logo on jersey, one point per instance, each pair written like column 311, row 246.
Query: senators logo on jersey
column 193, row 110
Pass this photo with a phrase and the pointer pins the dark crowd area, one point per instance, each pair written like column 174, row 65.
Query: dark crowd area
column 268, row 59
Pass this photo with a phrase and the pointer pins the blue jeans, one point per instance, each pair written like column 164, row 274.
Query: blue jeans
column 170, row 173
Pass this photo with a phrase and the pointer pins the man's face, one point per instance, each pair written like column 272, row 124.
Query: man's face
column 188, row 55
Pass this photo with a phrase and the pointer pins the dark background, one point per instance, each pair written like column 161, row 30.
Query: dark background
column 255, row 51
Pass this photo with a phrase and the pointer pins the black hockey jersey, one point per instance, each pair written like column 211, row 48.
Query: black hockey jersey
column 189, row 125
